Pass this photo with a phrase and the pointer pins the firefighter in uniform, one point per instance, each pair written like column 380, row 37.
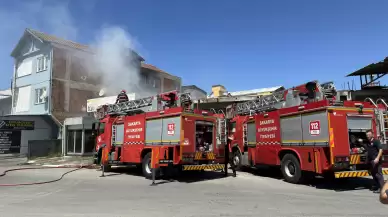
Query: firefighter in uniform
column 374, row 155
column 122, row 97
column 228, row 150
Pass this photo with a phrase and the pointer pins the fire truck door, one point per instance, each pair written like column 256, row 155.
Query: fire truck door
column 188, row 134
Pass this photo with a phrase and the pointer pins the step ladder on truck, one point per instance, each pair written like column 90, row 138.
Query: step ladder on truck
column 128, row 133
column 305, row 130
column 381, row 111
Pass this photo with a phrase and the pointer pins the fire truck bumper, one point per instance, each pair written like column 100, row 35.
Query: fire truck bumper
column 203, row 167
column 357, row 173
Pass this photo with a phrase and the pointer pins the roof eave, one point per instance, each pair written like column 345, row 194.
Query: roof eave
column 17, row 47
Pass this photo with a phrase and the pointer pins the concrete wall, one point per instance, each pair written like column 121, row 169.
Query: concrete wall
column 43, row 148
column 195, row 92
column 5, row 106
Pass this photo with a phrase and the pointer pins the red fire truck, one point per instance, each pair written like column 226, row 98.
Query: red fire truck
column 305, row 130
column 128, row 132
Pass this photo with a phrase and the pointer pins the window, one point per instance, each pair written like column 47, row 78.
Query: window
column 145, row 79
column 40, row 95
column 23, row 99
column 101, row 128
column 41, row 63
column 157, row 83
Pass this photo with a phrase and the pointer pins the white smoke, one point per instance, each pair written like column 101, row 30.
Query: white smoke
column 116, row 62
column 113, row 61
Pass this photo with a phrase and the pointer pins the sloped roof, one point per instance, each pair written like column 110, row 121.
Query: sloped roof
column 60, row 41
column 154, row 68
column 372, row 69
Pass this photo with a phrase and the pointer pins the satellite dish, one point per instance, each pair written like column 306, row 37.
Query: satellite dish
column 102, row 92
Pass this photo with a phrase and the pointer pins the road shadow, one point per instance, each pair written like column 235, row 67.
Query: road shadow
column 343, row 184
column 172, row 176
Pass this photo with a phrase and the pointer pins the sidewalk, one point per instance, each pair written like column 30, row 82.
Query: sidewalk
column 61, row 161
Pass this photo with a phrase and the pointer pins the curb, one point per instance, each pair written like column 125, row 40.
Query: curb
column 70, row 166
column 61, row 165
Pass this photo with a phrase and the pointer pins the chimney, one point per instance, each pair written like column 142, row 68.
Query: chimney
column 218, row 90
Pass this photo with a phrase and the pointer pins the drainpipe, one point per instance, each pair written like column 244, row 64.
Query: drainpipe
column 13, row 84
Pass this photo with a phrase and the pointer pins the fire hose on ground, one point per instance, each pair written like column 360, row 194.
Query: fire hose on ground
column 76, row 167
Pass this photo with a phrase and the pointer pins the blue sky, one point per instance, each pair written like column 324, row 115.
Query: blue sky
column 240, row 44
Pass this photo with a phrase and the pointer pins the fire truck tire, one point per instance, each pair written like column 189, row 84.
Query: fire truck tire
column 236, row 159
column 146, row 167
column 291, row 170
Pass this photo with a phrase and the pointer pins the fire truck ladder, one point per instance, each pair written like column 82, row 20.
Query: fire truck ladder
column 129, row 106
column 124, row 107
column 138, row 105
column 245, row 135
column 261, row 104
column 383, row 120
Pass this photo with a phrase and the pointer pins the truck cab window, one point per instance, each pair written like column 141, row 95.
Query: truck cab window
column 204, row 136
column 232, row 126
column 101, row 128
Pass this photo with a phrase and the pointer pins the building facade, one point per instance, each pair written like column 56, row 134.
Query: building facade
column 195, row 92
column 51, row 79
column 5, row 102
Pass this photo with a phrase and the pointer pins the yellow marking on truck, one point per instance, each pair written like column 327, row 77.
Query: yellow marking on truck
column 359, row 173
column 181, row 139
column 198, row 155
column 316, row 162
column 331, row 139
column 210, row 156
column 355, row 159
column 156, row 141
column 350, row 109
column 304, row 141
column 199, row 116
column 203, row 167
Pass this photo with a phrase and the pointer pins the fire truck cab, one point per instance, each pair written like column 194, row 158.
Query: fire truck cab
column 304, row 130
column 129, row 133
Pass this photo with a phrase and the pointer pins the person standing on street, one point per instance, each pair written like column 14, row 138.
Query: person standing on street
column 230, row 139
column 375, row 152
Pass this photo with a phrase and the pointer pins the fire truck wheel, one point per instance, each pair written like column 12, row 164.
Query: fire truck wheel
column 290, row 168
column 236, row 159
column 146, row 165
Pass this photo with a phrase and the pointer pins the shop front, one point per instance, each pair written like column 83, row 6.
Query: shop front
column 77, row 136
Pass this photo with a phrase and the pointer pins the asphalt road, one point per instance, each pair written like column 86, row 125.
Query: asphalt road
column 84, row 193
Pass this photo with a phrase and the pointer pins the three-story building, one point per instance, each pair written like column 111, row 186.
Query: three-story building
column 51, row 82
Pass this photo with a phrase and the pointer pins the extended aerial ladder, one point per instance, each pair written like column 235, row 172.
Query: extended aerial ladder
column 146, row 104
column 287, row 98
